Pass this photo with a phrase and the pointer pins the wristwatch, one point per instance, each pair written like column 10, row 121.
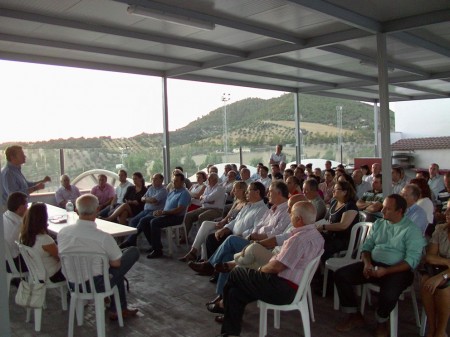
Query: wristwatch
column 445, row 277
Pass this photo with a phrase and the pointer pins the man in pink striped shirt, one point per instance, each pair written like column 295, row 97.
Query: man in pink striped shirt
column 277, row 281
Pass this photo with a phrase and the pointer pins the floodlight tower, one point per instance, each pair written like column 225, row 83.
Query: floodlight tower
column 225, row 98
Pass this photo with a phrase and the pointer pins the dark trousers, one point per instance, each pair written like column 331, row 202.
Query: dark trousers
column 391, row 287
column 332, row 245
column 248, row 285
column 212, row 243
column 152, row 230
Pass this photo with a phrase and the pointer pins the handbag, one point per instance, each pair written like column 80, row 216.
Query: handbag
column 31, row 295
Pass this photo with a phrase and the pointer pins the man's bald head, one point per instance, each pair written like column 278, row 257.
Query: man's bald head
column 304, row 210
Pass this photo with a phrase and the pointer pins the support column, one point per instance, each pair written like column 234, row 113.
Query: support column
column 166, row 145
column 5, row 329
column 298, row 135
column 376, row 128
column 385, row 125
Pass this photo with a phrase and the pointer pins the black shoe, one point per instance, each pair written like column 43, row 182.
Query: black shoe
column 127, row 244
column 214, row 278
column 155, row 254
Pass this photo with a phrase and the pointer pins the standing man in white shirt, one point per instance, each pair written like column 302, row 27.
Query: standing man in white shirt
column 278, row 157
column 436, row 181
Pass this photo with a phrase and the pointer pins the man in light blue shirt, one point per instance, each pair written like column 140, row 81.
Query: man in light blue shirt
column 414, row 212
column 154, row 198
column 13, row 179
column 391, row 252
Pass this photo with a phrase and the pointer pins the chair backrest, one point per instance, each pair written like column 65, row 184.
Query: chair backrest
column 307, row 277
column 34, row 264
column 357, row 238
column 10, row 260
column 79, row 269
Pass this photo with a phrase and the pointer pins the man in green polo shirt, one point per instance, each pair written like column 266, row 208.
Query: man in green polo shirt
column 390, row 253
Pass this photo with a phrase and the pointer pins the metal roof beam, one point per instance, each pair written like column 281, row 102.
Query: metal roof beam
column 314, row 67
column 274, row 50
column 345, row 51
column 227, row 22
column 342, row 14
column 228, row 81
column 422, row 89
column 64, row 22
column 57, row 61
column 416, row 21
column 96, row 50
column 417, row 41
column 323, row 84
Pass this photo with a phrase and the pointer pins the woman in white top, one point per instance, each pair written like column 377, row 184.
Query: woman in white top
column 425, row 198
column 33, row 233
column 197, row 190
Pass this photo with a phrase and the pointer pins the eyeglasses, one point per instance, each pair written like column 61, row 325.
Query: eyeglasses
column 337, row 189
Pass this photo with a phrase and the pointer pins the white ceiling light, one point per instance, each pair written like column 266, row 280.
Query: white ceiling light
column 169, row 17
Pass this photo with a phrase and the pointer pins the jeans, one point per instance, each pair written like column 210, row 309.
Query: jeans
column 233, row 244
column 129, row 257
column 145, row 216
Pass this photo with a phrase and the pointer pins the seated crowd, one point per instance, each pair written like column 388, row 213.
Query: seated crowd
column 256, row 234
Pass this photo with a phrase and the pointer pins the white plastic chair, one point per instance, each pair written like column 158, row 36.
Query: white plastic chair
column 78, row 268
column 36, row 275
column 169, row 232
column 393, row 317
column 12, row 266
column 357, row 237
column 299, row 303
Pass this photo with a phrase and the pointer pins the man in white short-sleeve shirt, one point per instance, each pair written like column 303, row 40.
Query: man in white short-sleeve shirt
column 85, row 237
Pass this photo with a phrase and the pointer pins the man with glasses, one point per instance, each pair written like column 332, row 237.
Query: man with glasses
column 311, row 191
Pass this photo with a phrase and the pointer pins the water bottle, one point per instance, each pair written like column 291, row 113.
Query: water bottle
column 70, row 212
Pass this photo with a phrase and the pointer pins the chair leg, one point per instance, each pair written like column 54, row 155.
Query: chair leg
column 79, row 307
column 310, row 305
column 262, row 320
column 394, row 321
column 415, row 307
column 72, row 307
column 169, row 240
column 304, row 313
column 37, row 319
column 118, row 305
column 8, row 283
column 100, row 316
column 363, row 298
column 276, row 319
column 63, row 293
column 325, row 281
column 28, row 318
column 335, row 298
column 423, row 323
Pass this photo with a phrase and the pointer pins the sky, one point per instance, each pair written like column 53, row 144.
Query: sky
column 40, row 102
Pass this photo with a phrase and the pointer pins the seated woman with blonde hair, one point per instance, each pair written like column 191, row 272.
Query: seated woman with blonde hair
column 435, row 290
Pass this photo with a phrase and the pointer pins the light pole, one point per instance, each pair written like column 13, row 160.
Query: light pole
column 225, row 99
column 339, row 125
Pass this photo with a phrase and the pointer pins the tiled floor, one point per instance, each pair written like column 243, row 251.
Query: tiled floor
column 171, row 300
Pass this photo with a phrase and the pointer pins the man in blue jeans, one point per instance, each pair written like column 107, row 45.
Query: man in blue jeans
column 85, row 237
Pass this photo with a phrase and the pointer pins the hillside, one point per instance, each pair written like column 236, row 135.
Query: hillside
column 255, row 124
